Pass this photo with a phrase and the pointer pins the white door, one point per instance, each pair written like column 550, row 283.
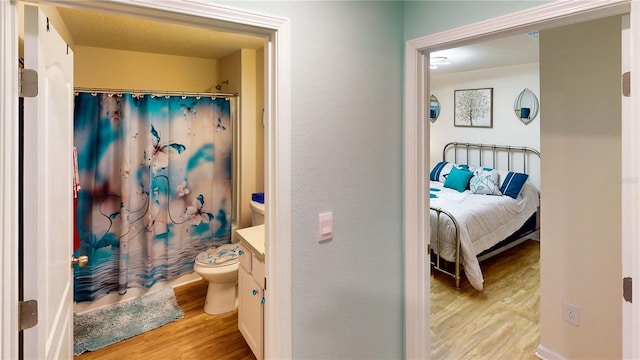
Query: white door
column 48, row 212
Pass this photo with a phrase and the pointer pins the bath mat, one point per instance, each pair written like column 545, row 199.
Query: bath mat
column 96, row 329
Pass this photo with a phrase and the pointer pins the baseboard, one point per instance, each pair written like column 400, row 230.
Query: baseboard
column 545, row 353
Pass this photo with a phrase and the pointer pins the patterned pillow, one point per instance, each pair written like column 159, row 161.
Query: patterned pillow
column 485, row 181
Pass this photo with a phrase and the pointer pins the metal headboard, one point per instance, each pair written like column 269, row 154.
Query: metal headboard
column 494, row 149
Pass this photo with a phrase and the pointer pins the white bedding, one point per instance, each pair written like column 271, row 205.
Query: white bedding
column 484, row 221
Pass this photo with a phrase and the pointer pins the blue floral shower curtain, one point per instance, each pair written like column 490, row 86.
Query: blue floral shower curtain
column 155, row 178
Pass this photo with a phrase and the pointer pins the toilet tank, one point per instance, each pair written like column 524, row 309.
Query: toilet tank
column 257, row 213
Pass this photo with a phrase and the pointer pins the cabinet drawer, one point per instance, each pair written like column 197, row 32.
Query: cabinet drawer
column 257, row 270
column 245, row 258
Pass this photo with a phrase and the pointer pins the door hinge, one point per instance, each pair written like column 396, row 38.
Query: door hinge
column 27, row 83
column 627, row 289
column 28, row 314
column 626, row 84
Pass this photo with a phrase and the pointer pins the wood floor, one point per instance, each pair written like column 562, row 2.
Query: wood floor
column 196, row 336
column 500, row 322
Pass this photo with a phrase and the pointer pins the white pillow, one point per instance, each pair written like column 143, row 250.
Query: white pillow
column 485, row 181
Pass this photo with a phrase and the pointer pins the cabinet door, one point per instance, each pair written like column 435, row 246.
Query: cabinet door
column 250, row 312
column 245, row 258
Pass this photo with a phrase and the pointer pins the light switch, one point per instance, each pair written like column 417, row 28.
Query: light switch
column 325, row 226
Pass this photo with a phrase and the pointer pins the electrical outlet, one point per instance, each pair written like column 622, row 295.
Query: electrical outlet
column 571, row 314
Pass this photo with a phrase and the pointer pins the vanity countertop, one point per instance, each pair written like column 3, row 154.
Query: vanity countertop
column 253, row 237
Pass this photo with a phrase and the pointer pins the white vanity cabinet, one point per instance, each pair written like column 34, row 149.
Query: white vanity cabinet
column 251, row 288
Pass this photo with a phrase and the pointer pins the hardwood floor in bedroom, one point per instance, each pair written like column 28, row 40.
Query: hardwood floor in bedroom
column 196, row 336
column 500, row 322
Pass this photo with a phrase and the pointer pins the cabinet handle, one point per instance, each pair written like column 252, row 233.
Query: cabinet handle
column 240, row 252
column 263, row 301
column 254, row 292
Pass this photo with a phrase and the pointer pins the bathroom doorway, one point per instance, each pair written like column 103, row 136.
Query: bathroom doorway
column 274, row 142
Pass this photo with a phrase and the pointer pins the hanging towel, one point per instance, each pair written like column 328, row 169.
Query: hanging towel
column 76, row 189
column 76, row 174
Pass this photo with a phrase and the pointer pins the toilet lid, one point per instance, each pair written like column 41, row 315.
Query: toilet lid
column 218, row 256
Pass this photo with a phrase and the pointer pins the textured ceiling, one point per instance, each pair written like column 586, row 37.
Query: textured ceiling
column 512, row 50
column 112, row 31
column 106, row 30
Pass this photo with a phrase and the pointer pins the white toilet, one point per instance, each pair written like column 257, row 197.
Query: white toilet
column 257, row 213
column 219, row 266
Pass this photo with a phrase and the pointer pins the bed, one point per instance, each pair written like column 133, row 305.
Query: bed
column 482, row 202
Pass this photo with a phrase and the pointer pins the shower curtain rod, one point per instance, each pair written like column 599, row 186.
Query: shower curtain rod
column 154, row 92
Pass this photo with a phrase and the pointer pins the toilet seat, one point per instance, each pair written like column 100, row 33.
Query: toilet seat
column 224, row 255
column 215, row 265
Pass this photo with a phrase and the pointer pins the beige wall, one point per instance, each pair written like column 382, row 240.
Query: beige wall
column 581, row 190
column 245, row 73
column 119, row 69
column 260, row 124
column 507, row 82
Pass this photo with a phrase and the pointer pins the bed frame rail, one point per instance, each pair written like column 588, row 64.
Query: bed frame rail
column 436, row 260
column 494, row 150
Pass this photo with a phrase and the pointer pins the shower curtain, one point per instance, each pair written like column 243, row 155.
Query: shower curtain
column 155, row 187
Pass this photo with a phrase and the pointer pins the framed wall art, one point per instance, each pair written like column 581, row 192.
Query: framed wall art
column 473, row 108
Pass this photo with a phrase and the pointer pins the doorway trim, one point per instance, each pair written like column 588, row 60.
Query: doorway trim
column 416, row 150
column 277, row 34
column 8, row 181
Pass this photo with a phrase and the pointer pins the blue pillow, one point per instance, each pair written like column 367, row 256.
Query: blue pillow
column 513, row 183
column 458, row 179
column 437, row 170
